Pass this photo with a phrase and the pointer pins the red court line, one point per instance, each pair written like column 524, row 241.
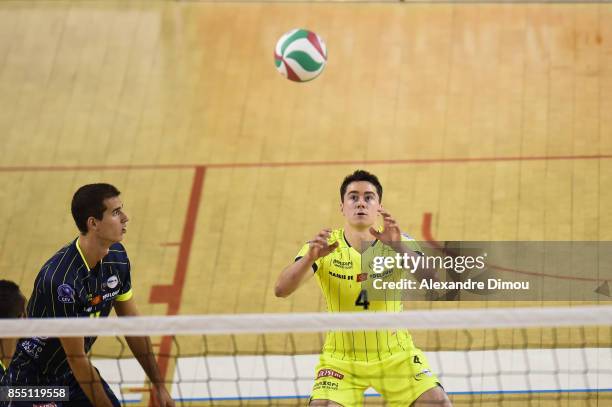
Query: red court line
column 426, row 232
column 171, row 294
column 409, row 161
column 51, row 168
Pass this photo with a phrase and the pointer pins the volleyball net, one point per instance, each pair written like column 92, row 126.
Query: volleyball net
column 502, row 356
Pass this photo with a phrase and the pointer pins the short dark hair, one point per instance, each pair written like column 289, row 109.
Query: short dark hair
column 12, row 301
column 89, row 201
column 361, row 175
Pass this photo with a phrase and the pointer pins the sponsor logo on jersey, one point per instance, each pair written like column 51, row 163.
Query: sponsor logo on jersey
column 32, row 347
column 325, row 384
column 361, row 277
column 96, row 300
column 340, row 276
column 65, row 294
column 384, row 273
column 330, row 373
column 112, row 282
column 425, row 372
column 110, row 295
column 343, row 264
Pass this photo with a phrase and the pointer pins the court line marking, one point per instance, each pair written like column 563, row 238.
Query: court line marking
column 457, row 2
column 172, row 294
column 438, row 160
column 452, row 393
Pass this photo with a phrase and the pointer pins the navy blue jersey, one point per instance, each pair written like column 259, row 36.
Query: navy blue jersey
column 67, row 287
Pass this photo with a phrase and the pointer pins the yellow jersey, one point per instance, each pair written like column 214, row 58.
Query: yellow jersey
column 342, row 280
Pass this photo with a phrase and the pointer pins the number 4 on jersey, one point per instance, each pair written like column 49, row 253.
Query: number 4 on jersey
column 362, row 299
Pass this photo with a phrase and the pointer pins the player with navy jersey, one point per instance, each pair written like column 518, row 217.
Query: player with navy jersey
column 87, row 278
column 67, row 287
column 353, row 361
column 12, row 305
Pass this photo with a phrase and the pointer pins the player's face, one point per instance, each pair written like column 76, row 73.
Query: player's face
column 360, row 204
column 113, row 225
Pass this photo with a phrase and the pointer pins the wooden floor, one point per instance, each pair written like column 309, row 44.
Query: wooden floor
column 493, row 120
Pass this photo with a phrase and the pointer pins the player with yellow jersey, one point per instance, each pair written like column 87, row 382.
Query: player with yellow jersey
column 351, row 362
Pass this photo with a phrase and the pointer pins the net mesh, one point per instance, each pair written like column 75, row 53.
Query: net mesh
column 510, row 357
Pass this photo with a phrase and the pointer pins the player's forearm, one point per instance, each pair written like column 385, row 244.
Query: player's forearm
column 7, row 348
column 292, row 276
column 143, row 351
column 89, row 380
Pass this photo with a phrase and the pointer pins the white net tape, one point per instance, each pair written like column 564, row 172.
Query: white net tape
column 312, row 322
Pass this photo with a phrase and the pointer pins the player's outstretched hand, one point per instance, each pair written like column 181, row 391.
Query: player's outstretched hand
column 319, row 246
column 391, row 231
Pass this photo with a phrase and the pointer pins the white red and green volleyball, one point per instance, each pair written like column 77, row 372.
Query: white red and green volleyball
column 300, row 55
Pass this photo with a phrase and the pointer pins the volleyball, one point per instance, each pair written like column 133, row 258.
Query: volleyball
column 300, row 55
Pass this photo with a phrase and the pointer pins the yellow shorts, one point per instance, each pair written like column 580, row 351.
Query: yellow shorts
column 400, row 379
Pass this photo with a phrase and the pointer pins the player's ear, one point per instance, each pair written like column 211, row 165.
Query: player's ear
column 92, row 223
